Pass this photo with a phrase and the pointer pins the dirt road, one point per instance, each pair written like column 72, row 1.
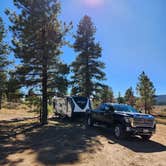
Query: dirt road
column 65, row 143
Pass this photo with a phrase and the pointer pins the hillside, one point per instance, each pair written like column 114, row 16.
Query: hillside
column 161, row 100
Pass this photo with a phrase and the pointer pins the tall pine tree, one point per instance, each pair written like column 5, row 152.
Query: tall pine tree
column 38, row 36
column 146, row 90
column 87, row 67
column 13, row 87
column 120, row 99
column 129, row 97
column 60, row 86
column 106, row 95
column 3, row 60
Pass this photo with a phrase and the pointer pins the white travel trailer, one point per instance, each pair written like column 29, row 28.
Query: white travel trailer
column 71, row 106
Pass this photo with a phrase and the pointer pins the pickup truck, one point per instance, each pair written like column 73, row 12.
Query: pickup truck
column 125, row 120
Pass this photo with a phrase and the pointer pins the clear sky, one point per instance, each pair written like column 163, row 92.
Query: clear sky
column 132, row 34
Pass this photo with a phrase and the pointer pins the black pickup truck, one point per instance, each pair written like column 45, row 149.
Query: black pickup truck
column 124, row 118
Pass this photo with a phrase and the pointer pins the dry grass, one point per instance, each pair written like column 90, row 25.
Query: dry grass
column 161, row 120
column 16, row 111
column 11, row 105
column 160, row 113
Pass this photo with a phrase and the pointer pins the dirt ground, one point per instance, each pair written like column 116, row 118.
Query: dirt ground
column 23, row 142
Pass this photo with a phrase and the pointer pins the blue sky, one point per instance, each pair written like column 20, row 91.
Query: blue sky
column 132, row 34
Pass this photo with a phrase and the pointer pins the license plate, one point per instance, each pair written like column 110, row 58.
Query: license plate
column 145, row 130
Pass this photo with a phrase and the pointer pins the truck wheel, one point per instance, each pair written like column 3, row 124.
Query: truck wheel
column 89, row 121
column 146, row 137
column 119, row 132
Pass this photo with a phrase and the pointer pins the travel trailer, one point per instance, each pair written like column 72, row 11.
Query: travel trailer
column 72, row 106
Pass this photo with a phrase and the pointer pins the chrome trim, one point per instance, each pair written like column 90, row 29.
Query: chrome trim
column 140, row 122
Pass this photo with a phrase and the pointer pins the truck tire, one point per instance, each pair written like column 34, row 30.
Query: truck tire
column 89, row 121
column 119, row 132
column 146, row 137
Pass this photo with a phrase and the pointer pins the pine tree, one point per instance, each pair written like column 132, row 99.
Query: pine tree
column 120, row 99
column 106, row 95
column 146, row 90
column 139, row 105
column 13, row 87
column 2, row 86
column 87, row 67
column 60, row 86
column 38, row 37
column 3, row 60
column 129, row 97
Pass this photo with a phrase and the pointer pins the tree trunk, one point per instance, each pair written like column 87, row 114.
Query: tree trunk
column 44, row 88
column 44, row 96
column 145, row 107
column 149, row 111
column 0, row 100
column 87, row 87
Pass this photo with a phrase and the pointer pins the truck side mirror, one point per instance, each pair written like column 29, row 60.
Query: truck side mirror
column 109, row 109
column 106, row 108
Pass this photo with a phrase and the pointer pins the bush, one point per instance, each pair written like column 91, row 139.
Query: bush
column 50, row 108
column 34, row 103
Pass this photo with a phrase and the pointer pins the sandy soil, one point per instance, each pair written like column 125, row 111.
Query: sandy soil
column 23, row 142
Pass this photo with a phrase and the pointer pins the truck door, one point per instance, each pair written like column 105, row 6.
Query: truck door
column 99, row 113
column 108, row 114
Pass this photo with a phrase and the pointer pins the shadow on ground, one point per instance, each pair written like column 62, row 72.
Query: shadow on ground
column 12, row 127
column 61, row 142
column 135, row 144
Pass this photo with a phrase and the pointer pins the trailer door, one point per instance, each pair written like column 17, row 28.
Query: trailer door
column 69, row 107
